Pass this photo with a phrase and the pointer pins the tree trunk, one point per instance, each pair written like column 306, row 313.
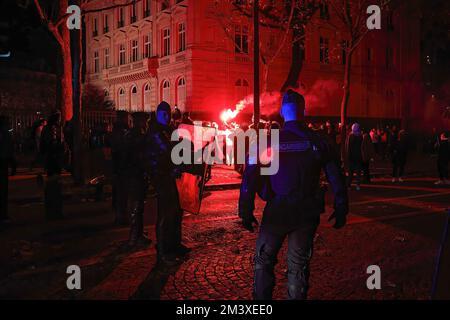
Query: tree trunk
column 296, row 63
column 77, row 59
column 65, row 103
column 345, row 99
column 66, row 86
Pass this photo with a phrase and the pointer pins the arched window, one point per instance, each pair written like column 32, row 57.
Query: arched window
column 121, row 99
column 240, row 89
column 134, row 98
column 166, row 91
column 181, row 94
column 147, row 97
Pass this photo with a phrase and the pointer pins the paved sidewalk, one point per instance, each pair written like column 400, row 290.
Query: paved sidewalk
column 396, row 226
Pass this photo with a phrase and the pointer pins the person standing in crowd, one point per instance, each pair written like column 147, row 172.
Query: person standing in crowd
column 367, row 152
column 37, row 133
column 176, row 118
column 383, row 143
column 399, row 153
column 186, row 119
column 6, row 161
column 331, row 134
column 119, row 155
column 136, row 172
column 393, row 134
column 163, row 174
column 293, row 207
column 52, row 148
column 375, row 140
column 354, row 157
column 443, row 153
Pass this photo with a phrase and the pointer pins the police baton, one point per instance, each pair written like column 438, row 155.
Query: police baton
column 439, row 256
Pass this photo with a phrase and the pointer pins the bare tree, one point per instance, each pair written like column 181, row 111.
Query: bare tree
column 352, row 21
column 283, row 21
column 53, row 14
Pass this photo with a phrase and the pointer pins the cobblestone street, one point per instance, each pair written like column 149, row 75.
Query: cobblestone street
column 395, row 226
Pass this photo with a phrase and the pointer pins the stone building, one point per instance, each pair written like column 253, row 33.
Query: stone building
column 195, row 55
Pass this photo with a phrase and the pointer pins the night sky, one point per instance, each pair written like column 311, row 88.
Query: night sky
column 22, row 34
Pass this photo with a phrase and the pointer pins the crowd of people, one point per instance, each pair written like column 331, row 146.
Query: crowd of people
column 124, row 145
column 364, row 147
column 139, row 147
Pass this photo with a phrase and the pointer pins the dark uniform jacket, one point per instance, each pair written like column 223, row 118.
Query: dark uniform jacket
column 136, row 145
column 53, row 148
column 303, row 153
column 159, row 162
column 119, row 148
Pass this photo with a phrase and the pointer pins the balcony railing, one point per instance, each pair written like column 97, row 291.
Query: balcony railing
column 149, row 64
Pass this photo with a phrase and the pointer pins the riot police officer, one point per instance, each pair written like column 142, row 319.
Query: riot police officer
column 136, row 172
column 163, row 174
column 53, row 147
column 119, row 153
column 293, row 207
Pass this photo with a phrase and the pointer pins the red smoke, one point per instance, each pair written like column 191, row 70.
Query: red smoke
column 321, row 94
column 270, row 102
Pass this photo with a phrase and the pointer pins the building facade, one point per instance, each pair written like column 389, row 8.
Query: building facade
column 197, row 55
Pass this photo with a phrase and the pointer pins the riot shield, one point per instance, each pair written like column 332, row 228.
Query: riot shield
column 193, row 178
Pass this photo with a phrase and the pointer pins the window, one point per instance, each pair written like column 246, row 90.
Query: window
column 240, row 89
column 147, row 97
column 166, row 42
column 133, row 14
column 94, row 27
column 105, row 23
column 120, row 18
column 324, row 12
column 106, row 64
column 181, row 37
column 146, row 8
column 134, row 50
column 122, row 55
column 369, row 55
column 241, row 39
column 147, row 45
column 166, row 91
column 121, row 99
column 390, row 21
column 165, row 5
column 134, row 98
column 181, row 94
column 324, row 50
column 389, row 57
column 106, row 92
column 96, row 62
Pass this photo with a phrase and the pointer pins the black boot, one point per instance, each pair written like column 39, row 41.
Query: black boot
column 137, row 236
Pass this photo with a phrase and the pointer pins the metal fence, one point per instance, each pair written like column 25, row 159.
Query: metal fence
column 21, row 120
